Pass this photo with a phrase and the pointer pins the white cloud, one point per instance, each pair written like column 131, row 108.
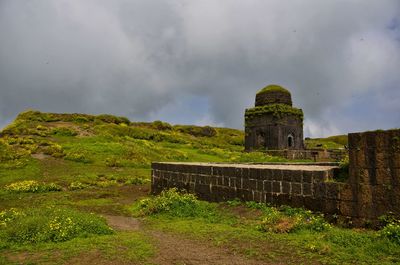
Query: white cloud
column 134, row 58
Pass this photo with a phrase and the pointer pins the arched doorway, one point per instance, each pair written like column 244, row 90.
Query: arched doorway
column 290, row 141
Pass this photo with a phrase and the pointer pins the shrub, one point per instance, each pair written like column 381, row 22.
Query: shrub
column 55, row 150
column 113, row 162
column 77, row 156
column 205, row 131
column 76, row 185
column 63, row 131
column 343, row 173
column 162, row 126
column 287, row 219
column 175, row 204
column 392, row 231
column 49, row 225
column 32, row 186
column 112, row 119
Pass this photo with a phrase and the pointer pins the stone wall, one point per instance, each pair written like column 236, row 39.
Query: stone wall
column 310, row 186
column 373, row 187
column 317, row 155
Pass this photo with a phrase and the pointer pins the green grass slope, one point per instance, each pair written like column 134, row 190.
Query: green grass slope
column 70, row 185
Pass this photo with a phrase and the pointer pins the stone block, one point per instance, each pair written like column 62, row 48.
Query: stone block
column 395, row 160
column 311, row 203
column 257, row 196
column 268, row 198
column 346, row 193
column 384, row 176
column 260, row 185
column 246, row 172
column 297, row 201
column 297, row 176
column 283, row 199
column 287, row 175
column 296, row 189
column 254, row 173
column 203, row 191
column 266, row 174
column 246, row 184
column 216, row 171
column 232, row 182
column 396, row 176
column 348, row 208
column 253, row 184
column 277, row 174
column 220, row 181
column 331, row 207
column 319, row 190
column 276, row 187
column 320, row 176
column 238, row 172
column 286, row 187
column 307, row 176
column 226, row 180
column 214, row 180
column 307, row 189
column 332, row 190
column 267, row 186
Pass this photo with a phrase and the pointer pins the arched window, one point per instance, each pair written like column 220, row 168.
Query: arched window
column 290, row 141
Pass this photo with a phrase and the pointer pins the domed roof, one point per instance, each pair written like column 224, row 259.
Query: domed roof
column 273, row 88
column 273, row 94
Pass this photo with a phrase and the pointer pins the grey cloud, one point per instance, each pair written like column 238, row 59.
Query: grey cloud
column 136, row 58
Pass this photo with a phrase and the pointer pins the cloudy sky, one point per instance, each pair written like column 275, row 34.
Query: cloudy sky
column 202, row 61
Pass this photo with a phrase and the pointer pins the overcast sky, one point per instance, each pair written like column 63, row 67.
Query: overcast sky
column 202, row 61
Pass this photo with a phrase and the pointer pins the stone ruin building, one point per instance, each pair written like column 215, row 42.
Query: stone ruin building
column 273, row 124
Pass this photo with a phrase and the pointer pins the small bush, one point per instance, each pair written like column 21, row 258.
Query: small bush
column 32, row 186
column 343, row 173
column 176, row 204
column 77, row 156
column 287, row 219
column 112, row 119
column 392, row 232
column 113, row 162
column 162, row 126
column 197, row 131
column 53, row 149
column 49, row 225
column 63, row 131
column 76, row 185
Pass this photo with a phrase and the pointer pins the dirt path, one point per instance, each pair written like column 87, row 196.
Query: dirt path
column 174, row 249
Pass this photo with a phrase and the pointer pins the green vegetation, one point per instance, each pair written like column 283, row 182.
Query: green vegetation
column 273, row 88
column 261, row 231
column 277, row 110
column 48, row 225
column 65, row 179
column 31, row 186
column 332, row 142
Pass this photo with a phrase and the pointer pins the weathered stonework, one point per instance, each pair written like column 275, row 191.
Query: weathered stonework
column 273, row 124
column 373, row 187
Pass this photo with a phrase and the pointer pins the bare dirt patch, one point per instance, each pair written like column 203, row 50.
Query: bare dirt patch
column 174, row 249
column 122, row 223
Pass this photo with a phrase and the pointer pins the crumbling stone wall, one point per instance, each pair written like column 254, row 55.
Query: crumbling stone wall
column 373, row 187
column 299, row 186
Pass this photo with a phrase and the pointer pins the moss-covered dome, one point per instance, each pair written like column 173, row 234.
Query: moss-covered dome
column 273, row 94
column 273, row 88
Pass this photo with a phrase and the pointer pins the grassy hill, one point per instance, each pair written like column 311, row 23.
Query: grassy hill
column 74, row 189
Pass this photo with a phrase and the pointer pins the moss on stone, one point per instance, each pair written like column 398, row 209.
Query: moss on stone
column 273, row 88
column 277, row 110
